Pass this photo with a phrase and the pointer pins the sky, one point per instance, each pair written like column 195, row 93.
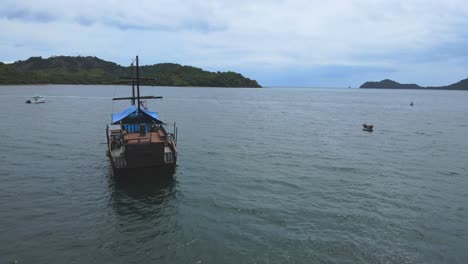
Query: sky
column 303, row 43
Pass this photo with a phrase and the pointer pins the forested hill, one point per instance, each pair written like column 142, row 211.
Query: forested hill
column 92, row 70
column 389, row 84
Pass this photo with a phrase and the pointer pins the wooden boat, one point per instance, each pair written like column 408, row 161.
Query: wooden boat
column 137, row 140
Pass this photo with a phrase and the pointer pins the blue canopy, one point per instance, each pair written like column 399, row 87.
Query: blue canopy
column 133, row 110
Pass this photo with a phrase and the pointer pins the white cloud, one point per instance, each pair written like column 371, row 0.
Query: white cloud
column 243, row 35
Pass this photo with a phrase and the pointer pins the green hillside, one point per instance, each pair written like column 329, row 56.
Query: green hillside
column 92, row 70
column 389, row 84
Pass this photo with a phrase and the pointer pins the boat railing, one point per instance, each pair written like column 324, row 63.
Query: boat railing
column 170, row 137
column 174, row 134
column 136, row 127
column 147, row 128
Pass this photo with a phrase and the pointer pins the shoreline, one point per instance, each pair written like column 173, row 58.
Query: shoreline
column 71, row 84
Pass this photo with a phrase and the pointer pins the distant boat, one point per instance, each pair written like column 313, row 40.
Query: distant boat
column 138, row 143
column 368, row 127
column 36, row 100
column 411, row 104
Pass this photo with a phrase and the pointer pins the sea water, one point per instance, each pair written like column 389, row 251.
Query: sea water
column 273, row 175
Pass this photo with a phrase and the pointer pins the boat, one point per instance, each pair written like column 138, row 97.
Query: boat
column 368, row 127
column 36, row 100
column 138, row 142
column 411, row 104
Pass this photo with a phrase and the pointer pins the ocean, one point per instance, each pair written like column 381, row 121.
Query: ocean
column 272, row 175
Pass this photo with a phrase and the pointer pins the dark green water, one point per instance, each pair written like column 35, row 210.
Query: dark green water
column 264, row 176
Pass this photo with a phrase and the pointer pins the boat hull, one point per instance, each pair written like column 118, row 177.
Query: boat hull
column 155, row 172
column 142, row 161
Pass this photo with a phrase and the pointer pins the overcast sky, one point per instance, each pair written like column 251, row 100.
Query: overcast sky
column 326, row 43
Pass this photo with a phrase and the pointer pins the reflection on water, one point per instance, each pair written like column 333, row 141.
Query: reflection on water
column 141, row 197
column 145, row 210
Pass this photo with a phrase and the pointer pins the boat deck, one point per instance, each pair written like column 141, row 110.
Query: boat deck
column 137, row 138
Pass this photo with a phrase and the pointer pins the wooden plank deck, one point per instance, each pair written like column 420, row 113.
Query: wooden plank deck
column 137, row 138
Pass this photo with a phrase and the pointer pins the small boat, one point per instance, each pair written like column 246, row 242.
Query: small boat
column 368, row 127
column 36, row 100
column 411, row 104
column 138, row 142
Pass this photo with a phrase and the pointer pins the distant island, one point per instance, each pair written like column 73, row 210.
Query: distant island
column 92, row 70
column 389, row 84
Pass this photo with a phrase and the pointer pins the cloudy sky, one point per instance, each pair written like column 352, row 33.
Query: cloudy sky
column 333, row 43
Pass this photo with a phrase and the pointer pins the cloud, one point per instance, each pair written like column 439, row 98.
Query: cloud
column 85, row 21
column 123, row 15
column 26, row 14
column 355, row 37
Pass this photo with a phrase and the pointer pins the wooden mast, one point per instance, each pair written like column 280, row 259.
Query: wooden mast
column 138, row 86
column 141, row 97
column 133, row 86
column 136, row 81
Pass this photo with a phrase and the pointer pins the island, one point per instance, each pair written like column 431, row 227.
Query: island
column 390, row 84
column 92, row 70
